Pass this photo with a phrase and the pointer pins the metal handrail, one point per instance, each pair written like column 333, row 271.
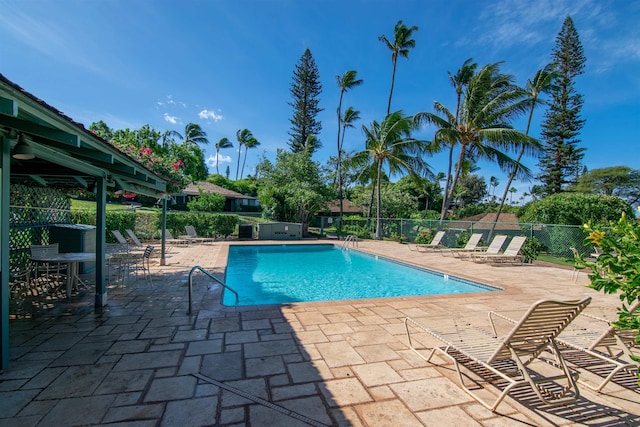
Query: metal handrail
column 350, row 238
column 197, row 267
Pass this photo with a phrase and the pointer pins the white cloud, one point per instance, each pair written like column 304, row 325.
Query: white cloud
column 211, row 160
column 211, row 115
column 170, row 102
column 171, row 119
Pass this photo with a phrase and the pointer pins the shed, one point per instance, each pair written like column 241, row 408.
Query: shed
column 44, row 148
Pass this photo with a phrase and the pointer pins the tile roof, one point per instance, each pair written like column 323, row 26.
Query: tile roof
column 193, row 190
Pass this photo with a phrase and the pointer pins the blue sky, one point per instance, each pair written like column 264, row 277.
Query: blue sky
column 228, row 65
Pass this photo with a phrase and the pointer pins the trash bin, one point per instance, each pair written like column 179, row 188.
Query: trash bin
column 75, row 238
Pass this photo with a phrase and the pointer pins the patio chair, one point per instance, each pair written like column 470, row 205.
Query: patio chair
column 46, row 271
column 143, row 264
column 472, row 245
column 191, row 234
column 510, row 358
column 611, row 349
column 510, row 255
column 435, row 243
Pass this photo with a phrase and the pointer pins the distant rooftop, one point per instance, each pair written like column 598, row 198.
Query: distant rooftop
column 207, row 187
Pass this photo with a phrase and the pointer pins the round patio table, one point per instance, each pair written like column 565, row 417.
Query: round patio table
column 73, row 260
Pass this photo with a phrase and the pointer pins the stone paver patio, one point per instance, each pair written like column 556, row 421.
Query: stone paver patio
column 144, row 362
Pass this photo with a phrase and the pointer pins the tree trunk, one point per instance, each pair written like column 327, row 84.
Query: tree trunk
column 393, row 78
column 511, row 177
column 444, row 208
column 449, row 195
column 379, row 204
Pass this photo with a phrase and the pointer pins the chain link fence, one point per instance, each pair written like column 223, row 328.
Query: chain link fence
column 556, row 240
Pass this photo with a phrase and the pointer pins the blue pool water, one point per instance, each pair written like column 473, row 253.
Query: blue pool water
column 278, row 274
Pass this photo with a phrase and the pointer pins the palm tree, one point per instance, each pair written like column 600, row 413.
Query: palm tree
column 512, row 190
column 350, row 117
column 242, row 136
column 493, row 182
column 459, row 81
column 345, row 82
column 250, row 143
column 222, row 143
column 402, row 42
column 166, row 139
column 541, row 83
column 193, row 134
column 483, row 129
column 390, row 143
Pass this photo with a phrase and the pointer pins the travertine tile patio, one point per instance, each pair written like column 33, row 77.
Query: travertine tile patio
column 144, row 362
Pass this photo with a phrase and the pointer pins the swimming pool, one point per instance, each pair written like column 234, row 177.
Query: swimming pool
column 280, row 274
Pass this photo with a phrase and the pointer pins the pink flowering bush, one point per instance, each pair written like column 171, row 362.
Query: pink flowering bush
column 171, row 169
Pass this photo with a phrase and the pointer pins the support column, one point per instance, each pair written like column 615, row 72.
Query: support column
column 5, row 162
column 101, row 225
column 163, row 239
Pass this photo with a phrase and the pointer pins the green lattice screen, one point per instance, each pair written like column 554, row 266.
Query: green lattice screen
column 32, row 211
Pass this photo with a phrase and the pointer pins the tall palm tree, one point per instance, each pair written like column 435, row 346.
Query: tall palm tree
column 402, row 43
column 350, row 117
column 541, row 83
column 345, row 82
column 493, row 182
column 250, row 143
column 390, row 144
column 166, row 139
column 222, row 143
column 459, row 81
column 193, row 134
column 242, row 135
column 483, row 129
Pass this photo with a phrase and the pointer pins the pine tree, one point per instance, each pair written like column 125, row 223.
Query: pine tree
column 305, row 90
column 560, row 161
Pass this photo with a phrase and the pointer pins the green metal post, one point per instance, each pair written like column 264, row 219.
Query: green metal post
column 5, row 162
column 163, row 236
column 101, row 225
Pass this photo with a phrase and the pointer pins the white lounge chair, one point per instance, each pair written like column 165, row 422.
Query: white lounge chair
column 509, row 358
column 510, row 255
column 472, row 245
column 494, row 248
column 611, row 349
column 171, row 241
column 435, row 243
column 191, row 234
column 136, row 241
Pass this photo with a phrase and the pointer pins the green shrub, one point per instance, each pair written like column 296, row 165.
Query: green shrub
column 574, row 209
column 115, row 220
column 207, row 202
column 531, row 249
column 360, row 231
column 616, row 269
column 462, row 238
column 424, row 237
column 147, row 225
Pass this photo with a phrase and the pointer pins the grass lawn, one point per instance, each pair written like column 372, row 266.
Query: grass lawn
column 567, row 262
column 87, row 205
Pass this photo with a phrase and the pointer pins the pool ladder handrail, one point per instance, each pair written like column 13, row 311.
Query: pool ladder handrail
column 197, row 267
column 351, row 238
